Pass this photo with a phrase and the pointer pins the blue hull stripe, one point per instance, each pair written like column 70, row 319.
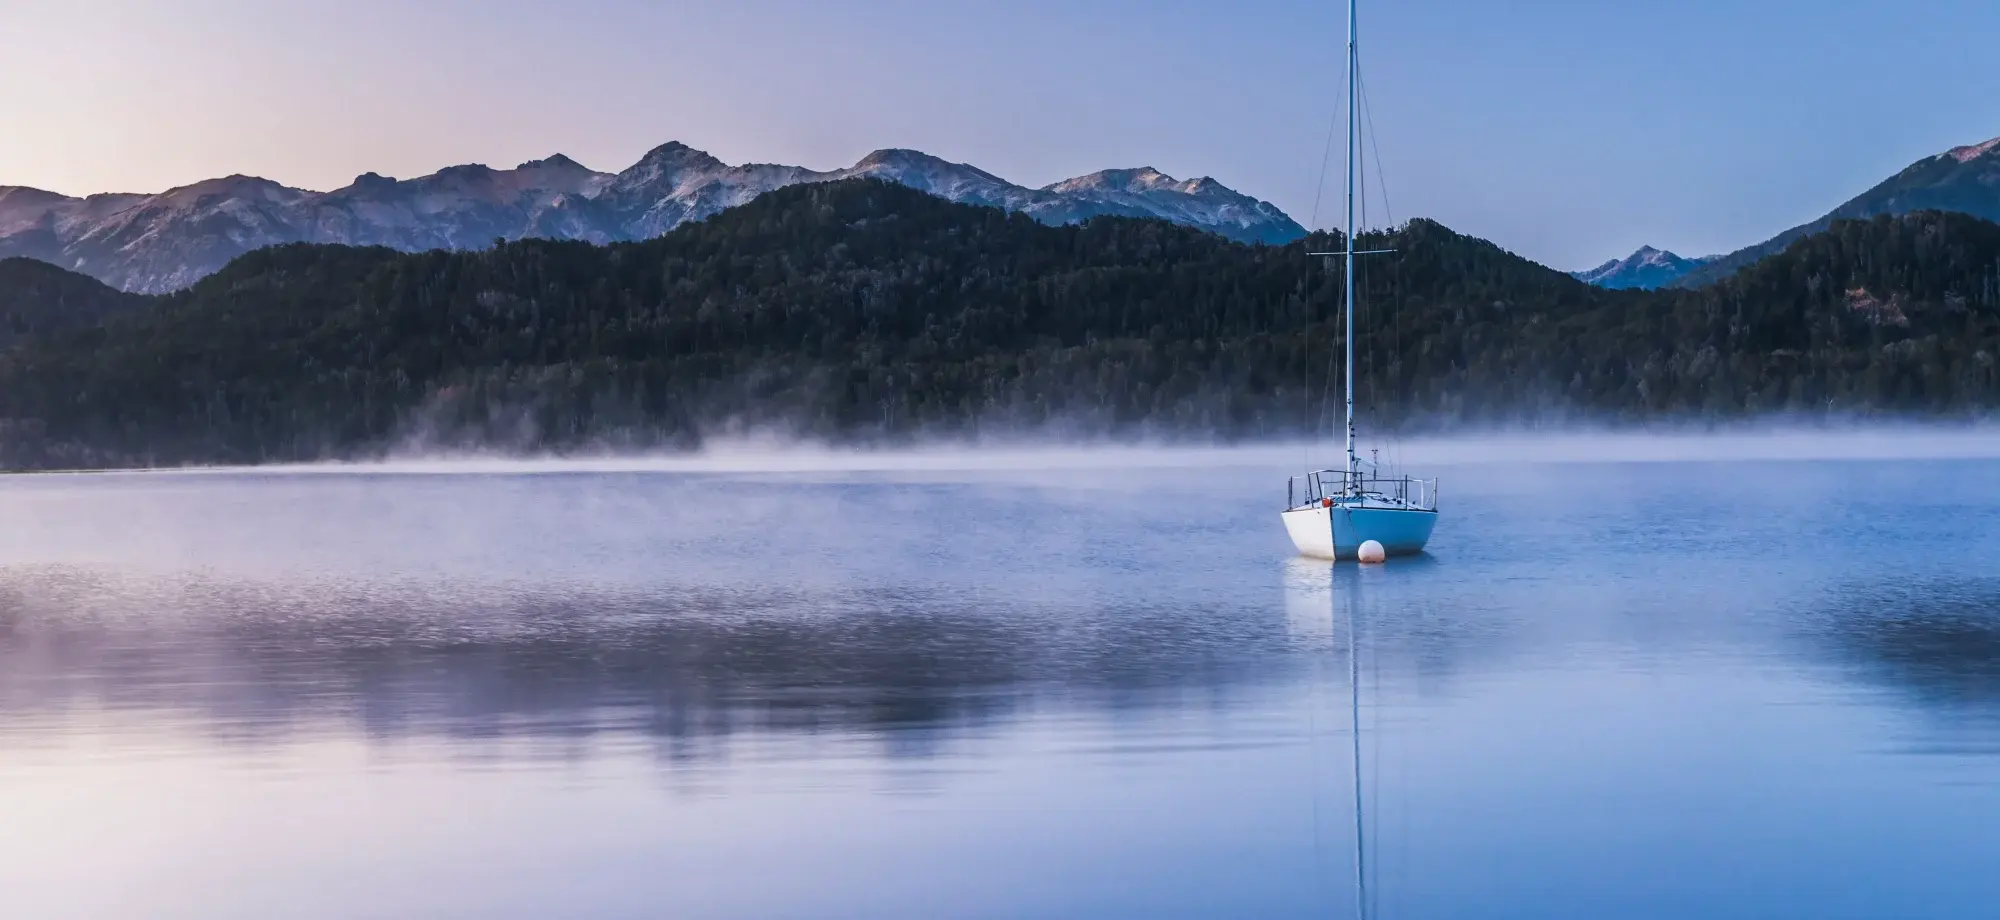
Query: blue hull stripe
column 1398, row 531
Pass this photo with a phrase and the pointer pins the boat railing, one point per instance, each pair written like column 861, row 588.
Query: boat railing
column 1319, row 486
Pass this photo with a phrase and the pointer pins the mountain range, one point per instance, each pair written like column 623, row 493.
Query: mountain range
column 1963, row 179
column 167, row 241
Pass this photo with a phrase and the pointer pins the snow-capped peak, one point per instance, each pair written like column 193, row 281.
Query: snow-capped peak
column 663, row 171
column 1141, row 179
column 1646, row 267
column 1970, row 152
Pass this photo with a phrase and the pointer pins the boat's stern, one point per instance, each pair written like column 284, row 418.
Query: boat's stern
column 1311, row 528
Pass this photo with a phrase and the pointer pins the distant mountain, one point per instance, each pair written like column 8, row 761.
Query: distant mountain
column 163, row 242
column 1647, row 268
column 1963, row 179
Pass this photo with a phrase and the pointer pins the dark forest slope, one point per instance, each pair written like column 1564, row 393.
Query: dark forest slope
column 862, row 310
column 39, row 300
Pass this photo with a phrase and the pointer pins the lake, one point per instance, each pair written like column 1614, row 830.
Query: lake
column 1716, row 678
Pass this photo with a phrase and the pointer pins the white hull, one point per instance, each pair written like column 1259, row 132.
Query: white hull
column 1337, row 531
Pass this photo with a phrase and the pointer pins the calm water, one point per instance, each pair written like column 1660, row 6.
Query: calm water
column 1673, row 689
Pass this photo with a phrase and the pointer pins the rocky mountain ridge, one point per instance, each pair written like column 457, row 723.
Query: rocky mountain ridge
column 163, row 242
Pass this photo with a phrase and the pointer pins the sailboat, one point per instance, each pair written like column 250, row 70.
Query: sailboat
column 1330, row 514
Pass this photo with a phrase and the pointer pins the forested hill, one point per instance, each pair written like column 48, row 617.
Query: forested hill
column 39, row 300
column 861, row 310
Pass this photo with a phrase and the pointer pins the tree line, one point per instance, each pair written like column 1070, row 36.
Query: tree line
column 862, row 310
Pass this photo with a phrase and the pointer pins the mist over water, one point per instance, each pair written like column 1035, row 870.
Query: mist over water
column 1723, row 675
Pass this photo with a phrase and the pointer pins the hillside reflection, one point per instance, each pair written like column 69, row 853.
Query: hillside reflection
column 691, row 668
column 254, row 662
column 1935, row 641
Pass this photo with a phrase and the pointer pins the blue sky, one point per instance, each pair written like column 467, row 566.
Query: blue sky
column 1567, row 131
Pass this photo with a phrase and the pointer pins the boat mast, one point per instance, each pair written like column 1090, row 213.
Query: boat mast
column 1353, row 126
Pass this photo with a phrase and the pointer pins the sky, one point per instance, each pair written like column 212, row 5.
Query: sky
column 1569, row 131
